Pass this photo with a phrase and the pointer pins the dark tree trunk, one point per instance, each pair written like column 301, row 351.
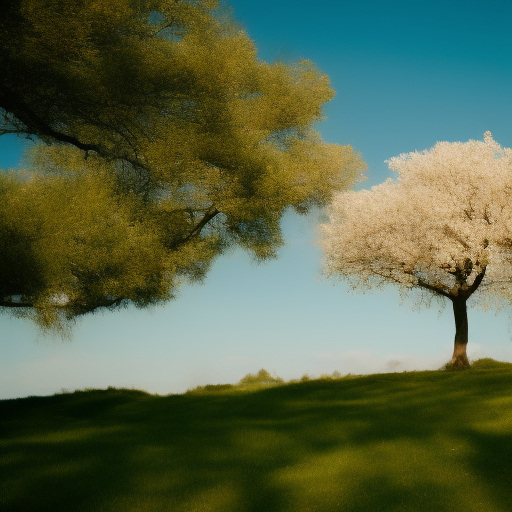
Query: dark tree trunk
column 460, row 358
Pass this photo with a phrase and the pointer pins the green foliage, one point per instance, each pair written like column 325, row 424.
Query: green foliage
column 386, row 443
column 262, row 378
column 212, row 388
column 250, row 382
column 93, row 73
column 167, row 101
column 490, row 364
column 71, row 243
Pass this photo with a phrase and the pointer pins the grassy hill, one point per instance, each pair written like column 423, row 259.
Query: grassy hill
column 419, row 441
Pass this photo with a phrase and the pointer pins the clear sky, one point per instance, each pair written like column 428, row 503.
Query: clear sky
column 407, row 74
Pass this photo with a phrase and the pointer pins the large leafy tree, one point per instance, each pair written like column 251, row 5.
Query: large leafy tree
column 443, row 227
column 167, row 101
column 96, row 73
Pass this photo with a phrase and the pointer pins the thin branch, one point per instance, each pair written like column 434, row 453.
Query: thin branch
column 476, row 282
column 163, row 27
column 208, row 216
column 432, row 288
column 104, row 304
column 12, row 304
column 83, row 308
column 17, row 132
column 388, row 275
column 12, row 103
column 456, row 236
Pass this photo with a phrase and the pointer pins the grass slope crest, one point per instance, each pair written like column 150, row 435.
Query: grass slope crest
column 371, row 443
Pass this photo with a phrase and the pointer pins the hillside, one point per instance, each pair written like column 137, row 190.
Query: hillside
column 418, row 441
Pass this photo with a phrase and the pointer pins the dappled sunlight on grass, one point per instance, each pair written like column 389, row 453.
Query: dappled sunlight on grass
column 498, row 419
column 417, row 441
column 67, row 435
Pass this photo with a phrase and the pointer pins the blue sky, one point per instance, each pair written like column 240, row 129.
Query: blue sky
column 407, row 74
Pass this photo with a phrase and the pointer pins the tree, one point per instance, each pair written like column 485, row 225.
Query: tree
column 96, row 74
column 443, row 227
column 168, row 102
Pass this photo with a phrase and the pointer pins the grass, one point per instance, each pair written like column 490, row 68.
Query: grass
column 418, row 441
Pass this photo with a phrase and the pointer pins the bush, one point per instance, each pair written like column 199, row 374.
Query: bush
column 211, row 388
column 487, row 363
column 262, row 378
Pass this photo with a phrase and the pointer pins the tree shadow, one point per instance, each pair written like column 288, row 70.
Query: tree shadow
column 417, row 441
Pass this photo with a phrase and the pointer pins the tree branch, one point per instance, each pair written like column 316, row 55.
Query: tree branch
column 11, row 304
column 83, row 308
column 433, row 288
column 36, row 125
column 450, row 232
column 208, row 216
column 476, row 282
column 104, row 304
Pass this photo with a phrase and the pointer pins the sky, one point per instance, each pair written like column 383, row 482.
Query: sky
column 407, row 74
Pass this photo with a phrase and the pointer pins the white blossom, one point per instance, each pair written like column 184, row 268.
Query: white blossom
column 444, row 225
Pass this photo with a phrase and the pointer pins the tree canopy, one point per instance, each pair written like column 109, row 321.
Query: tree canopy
column 201, row 145
column 72, row 244
column 443, row 227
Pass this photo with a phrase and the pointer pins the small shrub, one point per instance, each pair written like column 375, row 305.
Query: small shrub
column 211, row 388
column 487, row 363
column 262, row 378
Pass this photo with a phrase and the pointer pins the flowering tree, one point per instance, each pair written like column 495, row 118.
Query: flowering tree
column 444, row 227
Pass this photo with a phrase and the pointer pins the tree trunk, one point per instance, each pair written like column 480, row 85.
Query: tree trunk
column 460, row 358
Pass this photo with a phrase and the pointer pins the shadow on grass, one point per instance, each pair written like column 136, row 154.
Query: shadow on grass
column 396, row 442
